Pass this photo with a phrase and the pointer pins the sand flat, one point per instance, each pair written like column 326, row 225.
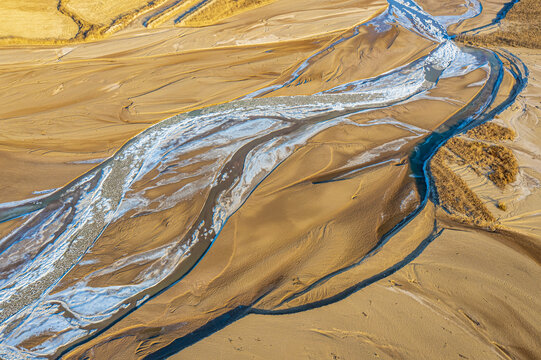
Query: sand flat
column 100, row 94
column 448, row 303
column 295, row 241
column 323, row 245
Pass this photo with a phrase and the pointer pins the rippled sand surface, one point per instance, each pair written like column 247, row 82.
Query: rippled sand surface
column 262, row 183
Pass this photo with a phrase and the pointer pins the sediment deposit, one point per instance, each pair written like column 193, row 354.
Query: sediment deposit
column 263, row 179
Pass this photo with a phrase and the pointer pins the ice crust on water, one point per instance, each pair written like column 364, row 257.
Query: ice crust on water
column 105, row 195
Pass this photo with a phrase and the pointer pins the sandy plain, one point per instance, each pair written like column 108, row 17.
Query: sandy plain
column 90, row 98
column 472, row 293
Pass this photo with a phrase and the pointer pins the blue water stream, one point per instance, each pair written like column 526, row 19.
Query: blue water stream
column 260, row 134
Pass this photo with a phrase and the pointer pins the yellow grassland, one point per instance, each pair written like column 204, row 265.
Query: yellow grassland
column 35, row 19
column 521, row 28
column 45, row 22
column 57, row 22
column 218, row 10
column 169, row 13
column 496, row 162
column 102, row 12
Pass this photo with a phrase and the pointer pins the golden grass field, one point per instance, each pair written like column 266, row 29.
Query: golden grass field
column 43, row 22
column 521, row 28
column 217, row 10
column 35, row 20
column 55, row 22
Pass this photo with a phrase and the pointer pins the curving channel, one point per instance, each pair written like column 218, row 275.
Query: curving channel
column 236, row 146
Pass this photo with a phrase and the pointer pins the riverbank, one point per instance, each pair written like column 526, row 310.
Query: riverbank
column 461, row 296
column 520, row 28
column 305, row 221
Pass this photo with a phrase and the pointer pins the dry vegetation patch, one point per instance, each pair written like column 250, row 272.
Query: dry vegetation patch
column 455, row 196
column 67, row 21
column 494, row 161
column 520, row 28
column 217, row 10
column 491, row 131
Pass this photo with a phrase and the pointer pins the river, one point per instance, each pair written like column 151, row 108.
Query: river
column 223, row 153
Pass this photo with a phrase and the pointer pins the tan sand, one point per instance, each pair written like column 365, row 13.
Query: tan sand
column 459, row 298
column 296, row 240
column 88, row 99
column 473, row 293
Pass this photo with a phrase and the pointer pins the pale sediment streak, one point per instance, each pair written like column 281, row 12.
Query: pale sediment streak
column 473, row 8
column 65, row 224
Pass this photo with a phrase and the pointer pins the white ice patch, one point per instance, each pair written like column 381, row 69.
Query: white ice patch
column 109, row 192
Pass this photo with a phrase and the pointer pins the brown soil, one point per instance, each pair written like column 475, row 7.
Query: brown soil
column 520, row 28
